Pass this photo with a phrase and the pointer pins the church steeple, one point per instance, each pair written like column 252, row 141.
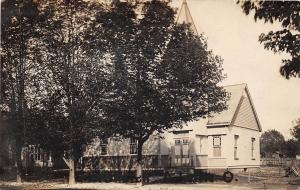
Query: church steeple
column 185, row 16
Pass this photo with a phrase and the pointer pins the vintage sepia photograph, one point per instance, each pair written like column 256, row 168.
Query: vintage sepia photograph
column 150, row 94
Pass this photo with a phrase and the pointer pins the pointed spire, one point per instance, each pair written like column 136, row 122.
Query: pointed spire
column 185, row 16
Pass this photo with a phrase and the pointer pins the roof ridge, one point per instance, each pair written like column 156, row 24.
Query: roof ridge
column 239, row 84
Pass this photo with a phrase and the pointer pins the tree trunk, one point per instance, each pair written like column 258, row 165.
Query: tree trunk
column 72, row 169
column 139, row 168
column 19, row 162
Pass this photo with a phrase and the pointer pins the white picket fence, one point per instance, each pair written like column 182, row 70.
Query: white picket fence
column 285, row 162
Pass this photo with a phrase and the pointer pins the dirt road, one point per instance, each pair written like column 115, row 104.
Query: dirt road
column 124, row 186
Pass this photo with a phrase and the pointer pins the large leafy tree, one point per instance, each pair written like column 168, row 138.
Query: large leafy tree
column 17, row 21
column 295, row 131
column 165, row 76
column 292, row 146
column 93, row 66
column 286, row 40
column 271, row 141
column 70, row 76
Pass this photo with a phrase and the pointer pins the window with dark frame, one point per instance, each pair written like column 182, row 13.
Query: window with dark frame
column 236, row 137
column 185, row 141
column 252, row 147
column 103, row 146
column 177, row 142
column 36, row 152
column 217, row 142
column 133, row 146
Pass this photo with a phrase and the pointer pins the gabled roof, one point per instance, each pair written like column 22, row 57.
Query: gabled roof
column 227, row 117
column 185, row 16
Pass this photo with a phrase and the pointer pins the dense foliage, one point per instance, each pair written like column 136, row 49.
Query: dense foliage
column 286, row 40
column 271, row 141
column 93, row 69
column 295, row 131
column 17, row 21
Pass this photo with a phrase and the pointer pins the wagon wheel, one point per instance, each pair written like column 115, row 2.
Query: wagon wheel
column 227, row 176
column 138, row 179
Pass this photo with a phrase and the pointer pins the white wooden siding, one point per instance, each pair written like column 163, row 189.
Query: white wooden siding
column 244, row 148
column 245, row 115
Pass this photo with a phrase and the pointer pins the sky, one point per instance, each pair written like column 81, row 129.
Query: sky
column 234, row 36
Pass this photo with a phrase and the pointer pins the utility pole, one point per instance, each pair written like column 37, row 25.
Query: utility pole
column 1, row 75
column 1, row 89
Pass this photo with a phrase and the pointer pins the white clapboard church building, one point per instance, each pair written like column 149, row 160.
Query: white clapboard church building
column 227, row 140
